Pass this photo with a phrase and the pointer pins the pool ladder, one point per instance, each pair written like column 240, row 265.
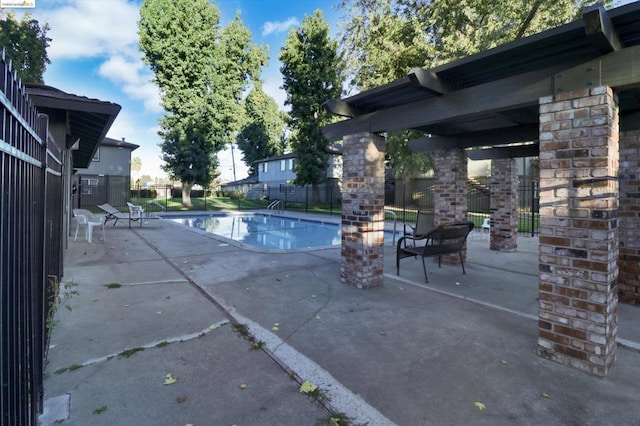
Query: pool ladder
column 276, row 205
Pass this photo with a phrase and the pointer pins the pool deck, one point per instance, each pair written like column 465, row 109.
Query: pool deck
column 163, row 300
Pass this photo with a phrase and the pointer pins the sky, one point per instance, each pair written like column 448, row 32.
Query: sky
column 94, row 53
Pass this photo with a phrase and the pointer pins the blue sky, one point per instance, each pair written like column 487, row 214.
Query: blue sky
column 94, row 53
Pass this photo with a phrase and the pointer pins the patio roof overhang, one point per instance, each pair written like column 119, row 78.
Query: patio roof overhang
column 492, row 98
column 88, row 120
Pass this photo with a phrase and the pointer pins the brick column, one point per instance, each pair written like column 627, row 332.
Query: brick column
column 362, row 210
column 450, row 191
column 629, row 259
column 504, row 205
column 578, row 229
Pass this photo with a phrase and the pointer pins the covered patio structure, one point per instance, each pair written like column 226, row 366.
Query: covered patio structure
column 571, row 96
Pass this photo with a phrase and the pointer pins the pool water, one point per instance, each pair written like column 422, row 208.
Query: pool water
column 265, row 231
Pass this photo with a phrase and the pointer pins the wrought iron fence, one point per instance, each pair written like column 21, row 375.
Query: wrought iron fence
column 404, row 198
column 407, row 198
column 30, row 251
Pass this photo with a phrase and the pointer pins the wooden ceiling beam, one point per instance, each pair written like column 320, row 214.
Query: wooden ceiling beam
column 512, row 92
column 502, row 136
column 619, row 70
column 518, row 151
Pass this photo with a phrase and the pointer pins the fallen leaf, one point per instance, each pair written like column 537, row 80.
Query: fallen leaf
column 243, row 386
column 334, row 422
column 212, row 327
column 307, row 387
column 274, row 328
column 503, row 362
column 276, row 324
column 480, row 405
column 158, row 312
column 317, row 316
column 313, row 296
column 401, row 288
column 180, row 399
column 169, row 379
column 545, row 395
column 126, row 306
column 95, row 300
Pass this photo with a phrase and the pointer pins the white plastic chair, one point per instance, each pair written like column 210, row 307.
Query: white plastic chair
column 90, row 220
column 486, row 225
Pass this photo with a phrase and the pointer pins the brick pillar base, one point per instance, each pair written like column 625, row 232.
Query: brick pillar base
column 362, row 210
column 629, row 260
column 504, row 205
column 578, row 229
column 450, row 191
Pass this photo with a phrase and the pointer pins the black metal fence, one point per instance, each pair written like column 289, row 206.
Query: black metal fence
column 30, row 252
column 405, row 198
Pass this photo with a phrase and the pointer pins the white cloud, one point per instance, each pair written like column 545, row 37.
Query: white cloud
column 135, row 79
column 271, row 27
column 107, row 31
column 90, row 28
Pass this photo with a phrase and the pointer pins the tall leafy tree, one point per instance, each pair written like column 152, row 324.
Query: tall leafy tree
column 312, row 72
column 261, row 135
column 384, row 39
column 25, row 43
column 201, row 71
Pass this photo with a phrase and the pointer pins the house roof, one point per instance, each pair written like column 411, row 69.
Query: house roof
column 333, row 149
column 119, row 143
column 87, row 119
column 493, row 96
column 277, row 157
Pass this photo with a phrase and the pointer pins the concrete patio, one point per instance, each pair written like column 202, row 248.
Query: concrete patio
column 163, row 299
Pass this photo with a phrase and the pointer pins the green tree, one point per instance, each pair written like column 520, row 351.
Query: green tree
column 385, row 39
column 136, row 164
column 201, row 71
column 312, row 72
column 261, row 135
column 25, row 43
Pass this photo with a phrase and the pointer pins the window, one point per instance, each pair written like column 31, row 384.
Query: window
column 283, row 165
column 96, row 156
column 290, row 163
column 264, row 167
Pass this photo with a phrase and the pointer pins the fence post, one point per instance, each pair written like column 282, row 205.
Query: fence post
column 331, row 200
column 533, row 207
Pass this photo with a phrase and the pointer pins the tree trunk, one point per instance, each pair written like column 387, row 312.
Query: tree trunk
column 186, row 194
column 315, row 194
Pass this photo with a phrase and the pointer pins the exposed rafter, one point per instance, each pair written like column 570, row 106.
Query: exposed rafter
column 338, row 107
column 427, row 80
column 600, row 29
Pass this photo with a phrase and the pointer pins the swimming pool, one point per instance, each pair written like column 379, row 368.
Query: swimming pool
column 265, row 231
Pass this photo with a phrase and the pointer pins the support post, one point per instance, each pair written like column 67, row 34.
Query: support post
column 578, row 300
column 362, row 210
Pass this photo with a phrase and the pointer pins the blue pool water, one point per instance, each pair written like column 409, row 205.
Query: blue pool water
column 265, row 231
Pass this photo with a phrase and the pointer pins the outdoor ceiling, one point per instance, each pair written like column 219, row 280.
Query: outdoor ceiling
column 492, row 98
column 88, row 120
